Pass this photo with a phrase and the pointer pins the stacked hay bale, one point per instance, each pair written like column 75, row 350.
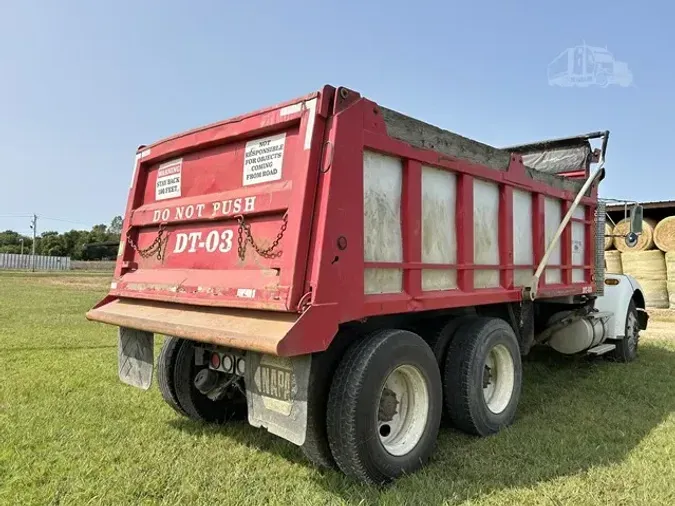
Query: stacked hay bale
column 649, row 268
column 612, row 256
column 608, row 236
column 644, row 262
column 664, row 237
column 664, row 234
column 613, row 262
column 651, row 261
column 670, row 277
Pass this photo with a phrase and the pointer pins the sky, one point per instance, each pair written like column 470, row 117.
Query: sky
column 83, row 84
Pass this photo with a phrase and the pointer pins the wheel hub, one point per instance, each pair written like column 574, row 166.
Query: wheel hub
column 498, row 378
column 487, row 376
column 403, row 410
column 388, row 404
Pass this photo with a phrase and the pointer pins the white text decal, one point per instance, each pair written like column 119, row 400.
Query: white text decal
column 168, row 185
column 263, row 159
column 215, row 209
column 211, row 242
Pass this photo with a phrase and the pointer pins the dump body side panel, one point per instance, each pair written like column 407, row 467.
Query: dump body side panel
column 415, row 228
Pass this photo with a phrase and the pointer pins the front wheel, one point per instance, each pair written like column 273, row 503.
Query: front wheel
column 384, row 407
column 627, row 348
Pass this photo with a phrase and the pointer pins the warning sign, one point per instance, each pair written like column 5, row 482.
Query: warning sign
column 263, row 159
column 168, row 180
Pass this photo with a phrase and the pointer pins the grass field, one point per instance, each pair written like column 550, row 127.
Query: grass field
column 588, row 432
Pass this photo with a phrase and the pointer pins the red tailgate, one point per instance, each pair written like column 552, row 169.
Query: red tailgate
column 220, row 216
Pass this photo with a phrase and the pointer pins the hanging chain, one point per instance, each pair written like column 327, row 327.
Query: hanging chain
column 265, row 253
column 157, row 245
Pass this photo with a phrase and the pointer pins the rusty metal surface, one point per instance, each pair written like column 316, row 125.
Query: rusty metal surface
column 245, row 329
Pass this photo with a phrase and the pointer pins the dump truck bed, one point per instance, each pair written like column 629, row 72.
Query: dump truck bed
column 330, row 208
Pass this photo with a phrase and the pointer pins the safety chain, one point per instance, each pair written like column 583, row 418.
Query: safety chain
column 156, row 247
column 265, row 253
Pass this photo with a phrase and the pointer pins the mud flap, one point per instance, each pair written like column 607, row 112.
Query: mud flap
column 643, row 318
column 135, row 349
column 276, row 391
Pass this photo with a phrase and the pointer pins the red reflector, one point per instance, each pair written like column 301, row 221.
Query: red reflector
column 215, row 361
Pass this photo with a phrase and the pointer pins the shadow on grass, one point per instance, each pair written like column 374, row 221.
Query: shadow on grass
column 244, row 434
column 575, row 413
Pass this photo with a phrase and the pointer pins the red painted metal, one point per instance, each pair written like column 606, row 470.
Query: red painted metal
column 464, row 216
column 411, row 225
column 566, row 246
column 538, row 231
column 320, row 271
column 506, row 236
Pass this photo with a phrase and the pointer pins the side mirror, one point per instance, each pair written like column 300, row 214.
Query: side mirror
column 631, row 239
column 636, row 216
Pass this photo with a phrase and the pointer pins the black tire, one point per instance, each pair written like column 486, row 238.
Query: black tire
column 627, row 348
column 439, row 340
column 316, row 448
column 464, row 375
column 197, row 405
column 353, row 406
column 165, row 370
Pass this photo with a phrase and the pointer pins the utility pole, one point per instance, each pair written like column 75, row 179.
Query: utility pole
column 34, row 227
column 21, row 246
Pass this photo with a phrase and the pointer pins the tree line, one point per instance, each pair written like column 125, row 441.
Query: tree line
column 99, row 243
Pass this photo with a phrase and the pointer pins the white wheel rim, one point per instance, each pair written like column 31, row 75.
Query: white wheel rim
column 403, row 410
column 499, row 377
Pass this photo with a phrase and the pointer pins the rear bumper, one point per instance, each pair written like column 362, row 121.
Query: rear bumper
column 270, row 332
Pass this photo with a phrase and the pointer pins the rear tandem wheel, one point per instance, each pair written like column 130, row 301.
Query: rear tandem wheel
column 482, row 377
column 165, row 367
column 177, row 370
column 384, row 407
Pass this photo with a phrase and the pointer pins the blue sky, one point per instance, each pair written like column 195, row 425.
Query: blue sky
column 83, row 83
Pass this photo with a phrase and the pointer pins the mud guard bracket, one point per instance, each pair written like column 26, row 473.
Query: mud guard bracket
column 276, row 391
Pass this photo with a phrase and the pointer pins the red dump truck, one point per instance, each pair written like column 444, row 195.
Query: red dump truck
column 346, row 276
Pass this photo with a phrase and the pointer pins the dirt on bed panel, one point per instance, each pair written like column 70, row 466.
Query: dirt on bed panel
column 425, row 136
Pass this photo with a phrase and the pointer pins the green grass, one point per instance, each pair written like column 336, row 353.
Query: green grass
column 588, row 432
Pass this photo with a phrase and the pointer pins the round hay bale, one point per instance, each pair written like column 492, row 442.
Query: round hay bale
column 644, row 265
column 613, row 262
column 656, row 293
column 664, row 234
column 645, row 239
column 609, row 240
column 670, row 266
column 671, row 293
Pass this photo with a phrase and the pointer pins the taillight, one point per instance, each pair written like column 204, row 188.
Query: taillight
column 228, row 363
